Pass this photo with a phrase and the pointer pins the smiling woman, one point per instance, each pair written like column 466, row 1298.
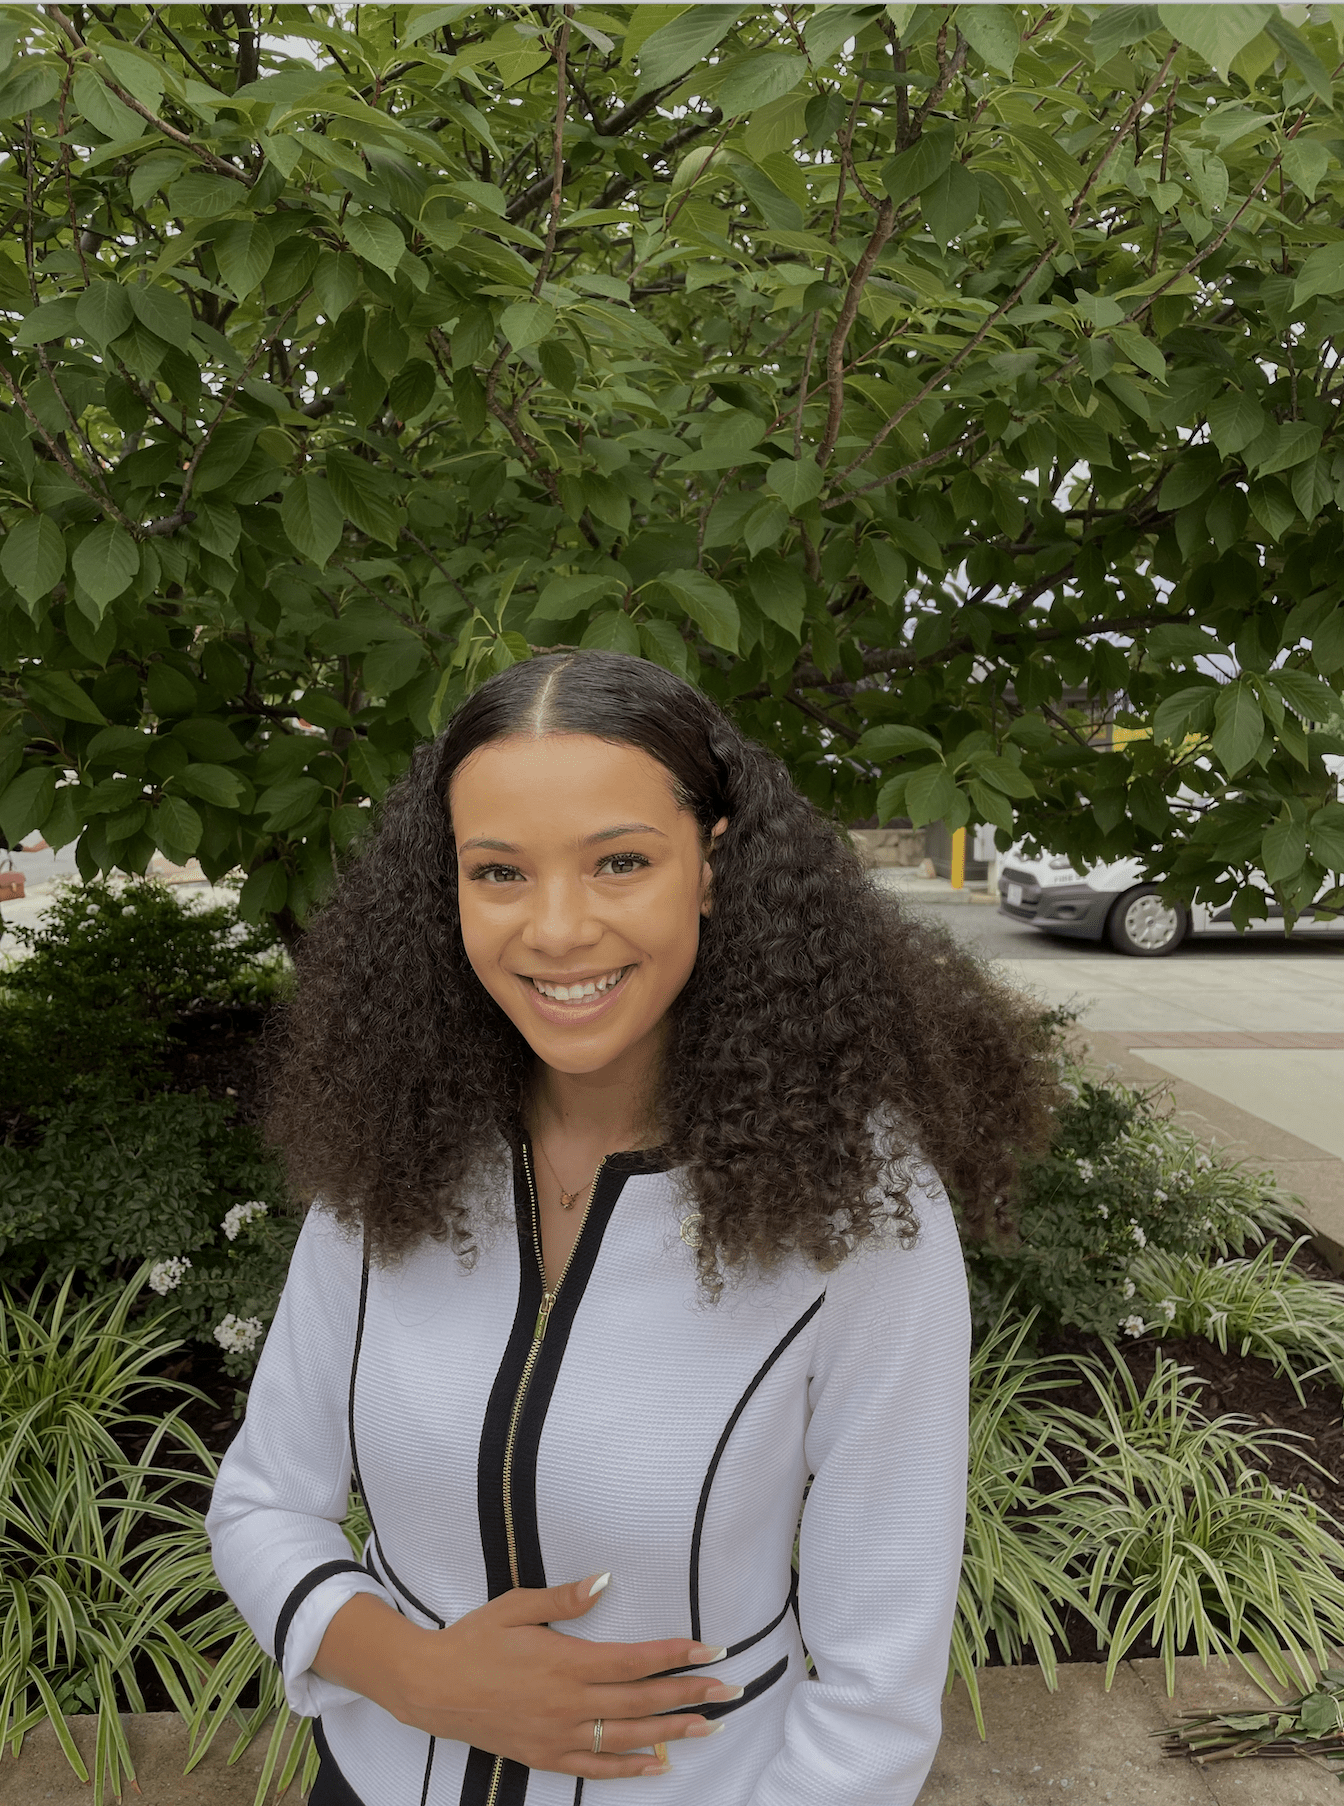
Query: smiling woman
column 629, row 1106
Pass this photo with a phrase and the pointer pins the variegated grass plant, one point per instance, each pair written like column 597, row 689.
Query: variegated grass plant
column 1147, row 1517
column 1259, row 1306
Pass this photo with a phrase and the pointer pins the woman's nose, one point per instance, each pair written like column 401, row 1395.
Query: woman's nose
column 561, row 918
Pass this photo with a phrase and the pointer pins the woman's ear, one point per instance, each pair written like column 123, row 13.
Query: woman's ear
column 706, row 871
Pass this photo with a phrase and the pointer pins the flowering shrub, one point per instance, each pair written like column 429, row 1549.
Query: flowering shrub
column 1121, row 1179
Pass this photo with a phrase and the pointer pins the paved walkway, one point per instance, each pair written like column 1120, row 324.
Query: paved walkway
column 1079, row 1743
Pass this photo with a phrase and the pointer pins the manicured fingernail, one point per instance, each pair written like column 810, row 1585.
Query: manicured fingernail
column 707, row 1730
column 701, row 1652
column 660, row 1751
column 600, row 1585
column 718, row 1693
column 657, row 1768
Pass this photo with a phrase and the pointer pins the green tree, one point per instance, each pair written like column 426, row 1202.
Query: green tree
column 924, row 381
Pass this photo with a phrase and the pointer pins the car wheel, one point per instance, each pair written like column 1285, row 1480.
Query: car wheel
column 1143, row 925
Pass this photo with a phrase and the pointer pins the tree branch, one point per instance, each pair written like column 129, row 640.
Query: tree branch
column 835, row 350
column 558, row 151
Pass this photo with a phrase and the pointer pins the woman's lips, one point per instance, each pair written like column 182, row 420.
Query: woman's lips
column 578, row 1010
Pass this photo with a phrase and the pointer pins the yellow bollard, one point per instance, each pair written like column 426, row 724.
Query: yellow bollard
column 958, row 858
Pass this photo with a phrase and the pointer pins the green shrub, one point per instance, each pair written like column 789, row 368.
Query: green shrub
column 114, row 1181
column 106, row 975
column 1120, row 1178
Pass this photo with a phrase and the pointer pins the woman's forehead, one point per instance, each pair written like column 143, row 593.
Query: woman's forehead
column 555, row 779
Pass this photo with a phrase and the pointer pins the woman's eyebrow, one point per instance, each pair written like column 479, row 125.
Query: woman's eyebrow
column 507, row 846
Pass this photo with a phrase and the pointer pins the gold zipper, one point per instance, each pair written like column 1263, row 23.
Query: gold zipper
column 520, row 1397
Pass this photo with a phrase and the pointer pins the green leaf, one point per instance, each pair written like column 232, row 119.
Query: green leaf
column 527, row 323
column 950, row 203
column 1327, row 642
column 795, row 481
column 103, row 110
column 106, row 562
column 29, row 86
column 140, row 76
column 1305, row 695
column 1322, row 273
column 931, row 795
column 779, row 593
column 611, row 631
column 168, row 691
column 1003, row 773
column 312, row 520
column 708, row 604
column 392, row 663
column 1238, row 726
column 892, row 739
column 1193, row 475
column 104, row 311
column 176, row 829
column 1325, row 832
column 1185, row 711
column 678, row 46
column 33, row 556
column 163, row 313
column 286, row 804
column 198, row 196
column 1215, row 33
column 1305, row 161
column 59, row 694
column 565, row 597
column 1310, row 67
column 212, row 784
column 335, row 282
column 377, row 240
column 891, row 798
column 53, row 319
column 992, row 33
column 1236, row 419
column 26, row 803
column 412, row 389
column 1283, row 850
column 882, row 569
column 1294, row 441
column 264, row 892
column 756, row 80
column 244, row 249
column 660, row 642
column 993, row 806
column 1272, row 507
column 359, row 490
column 918, row 168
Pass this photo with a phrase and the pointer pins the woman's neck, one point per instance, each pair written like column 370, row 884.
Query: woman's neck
column 609, row 1110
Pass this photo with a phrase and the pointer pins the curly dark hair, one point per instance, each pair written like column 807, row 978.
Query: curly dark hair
column 815, row 1005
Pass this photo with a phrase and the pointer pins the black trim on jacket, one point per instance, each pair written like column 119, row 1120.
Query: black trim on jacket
column 299, row 1593
column 331, row 1787
column 718, row 1454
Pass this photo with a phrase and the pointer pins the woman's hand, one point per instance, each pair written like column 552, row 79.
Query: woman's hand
column 502, row 1680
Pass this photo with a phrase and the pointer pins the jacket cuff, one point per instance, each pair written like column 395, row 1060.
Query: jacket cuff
column 307, row 1613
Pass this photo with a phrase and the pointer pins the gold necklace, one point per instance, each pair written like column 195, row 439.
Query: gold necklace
column 568, row 1199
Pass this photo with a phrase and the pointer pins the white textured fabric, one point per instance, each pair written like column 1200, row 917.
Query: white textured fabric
column 649, row 1407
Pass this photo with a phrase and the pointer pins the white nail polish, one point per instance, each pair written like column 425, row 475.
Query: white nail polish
column 600, row 1585
column 709, row 1730
column 703, row 1653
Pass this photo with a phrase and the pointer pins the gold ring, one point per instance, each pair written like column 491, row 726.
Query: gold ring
column 597, row 1736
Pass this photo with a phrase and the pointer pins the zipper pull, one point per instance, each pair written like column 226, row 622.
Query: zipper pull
column 543, row 1316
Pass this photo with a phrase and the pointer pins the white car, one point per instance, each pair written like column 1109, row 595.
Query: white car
column 1116, row 904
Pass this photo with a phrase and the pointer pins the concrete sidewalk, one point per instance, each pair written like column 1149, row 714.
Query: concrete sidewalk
column 1077, row 1742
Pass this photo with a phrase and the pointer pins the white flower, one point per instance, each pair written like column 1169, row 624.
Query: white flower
column 1206, row 1225
column 1159, row 1197
column 1168, row 1309
column 1086, row 1169
column 1103, row 1210
column 238, row 1335
column 1133, row 1326
column 166, row 1275
column 1069, row 1090
column 1137, row 1233
column 1128, row 1288
column 240, row 1214
column 1203, row 1163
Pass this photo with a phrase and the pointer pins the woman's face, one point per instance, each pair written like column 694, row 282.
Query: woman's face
column 581, row 882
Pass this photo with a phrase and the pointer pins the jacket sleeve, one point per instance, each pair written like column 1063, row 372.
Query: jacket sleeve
column 283, row 1487
column 881, row 1541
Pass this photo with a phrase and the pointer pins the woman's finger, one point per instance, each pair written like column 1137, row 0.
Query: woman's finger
column 621, row 1736
column 679, row 1693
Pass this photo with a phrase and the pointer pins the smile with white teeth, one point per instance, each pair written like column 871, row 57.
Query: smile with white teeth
column 582, row 988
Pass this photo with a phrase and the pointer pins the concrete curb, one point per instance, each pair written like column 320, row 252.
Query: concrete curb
column 1042, row 1747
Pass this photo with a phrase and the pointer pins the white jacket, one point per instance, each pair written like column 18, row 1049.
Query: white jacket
column 661, row 1436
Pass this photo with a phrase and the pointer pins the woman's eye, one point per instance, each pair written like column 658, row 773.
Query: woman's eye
column 619, row 864
column 495, row 874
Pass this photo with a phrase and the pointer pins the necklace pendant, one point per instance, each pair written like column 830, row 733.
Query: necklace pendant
column 568, row 1199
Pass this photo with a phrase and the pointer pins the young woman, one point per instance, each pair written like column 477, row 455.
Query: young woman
column 624, row 1098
